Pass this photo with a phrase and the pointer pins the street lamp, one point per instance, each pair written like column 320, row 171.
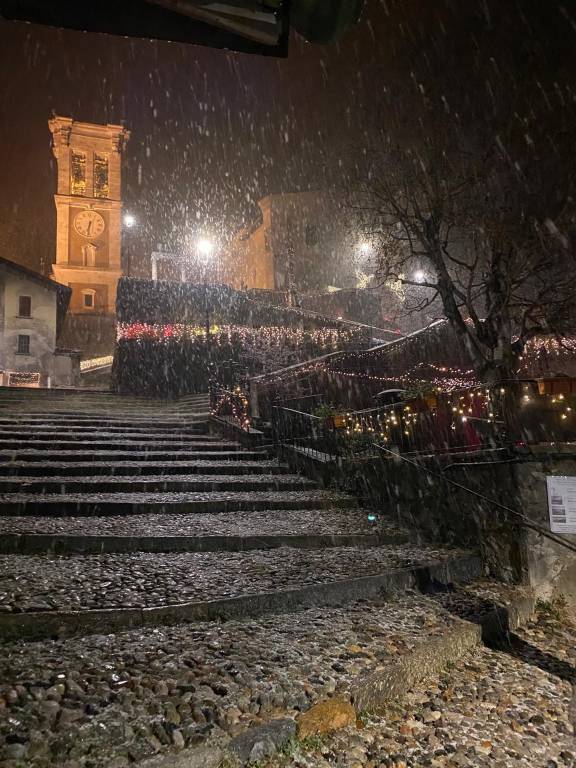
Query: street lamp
column 419, row 276
column 129, row 220
column 205, row 247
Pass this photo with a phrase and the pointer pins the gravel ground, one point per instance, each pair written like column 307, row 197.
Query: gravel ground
column 38, row 582
column 270, row 522
column 90, row 701
column 494, row 709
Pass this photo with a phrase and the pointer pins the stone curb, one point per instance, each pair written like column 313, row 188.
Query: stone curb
column 421, row 663
column 56, row 544
column 48, row 624
column 374, row 691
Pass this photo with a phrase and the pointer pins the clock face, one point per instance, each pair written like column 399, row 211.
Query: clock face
column 89, row 224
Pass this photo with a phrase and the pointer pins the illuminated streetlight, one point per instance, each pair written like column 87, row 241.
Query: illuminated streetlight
column 129, row 220
column 419, row 276
column 205, row 246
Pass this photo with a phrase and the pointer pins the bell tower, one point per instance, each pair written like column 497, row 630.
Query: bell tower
column 88, row 212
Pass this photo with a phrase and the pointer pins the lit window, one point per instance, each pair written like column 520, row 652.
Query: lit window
column 23, row 344
column 101, row 188
column 78, row 173
column 24, row 306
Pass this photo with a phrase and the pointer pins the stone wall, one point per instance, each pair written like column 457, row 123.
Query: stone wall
column 435, row 510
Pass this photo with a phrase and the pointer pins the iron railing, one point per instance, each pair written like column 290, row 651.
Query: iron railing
column 231, row 405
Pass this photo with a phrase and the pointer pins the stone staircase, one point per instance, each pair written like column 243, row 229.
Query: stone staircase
column 126, row 514
column 116, row 512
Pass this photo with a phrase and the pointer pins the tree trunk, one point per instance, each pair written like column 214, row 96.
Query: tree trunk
column 507, row 395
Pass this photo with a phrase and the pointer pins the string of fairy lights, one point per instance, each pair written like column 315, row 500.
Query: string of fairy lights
column 329, row 339
column 461, row 412
column 233, row 404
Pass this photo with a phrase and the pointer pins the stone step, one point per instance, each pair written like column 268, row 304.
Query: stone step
column 63, row 484
column 329, row 522
column 139, row 414
column 117, row 424
column 194, row 444
column 141, row 468
column 104, row 436
column 85, row 407
column 41, row 596
column 129, row 454
column 183, row 503
column 43, row 429
column 208, row 686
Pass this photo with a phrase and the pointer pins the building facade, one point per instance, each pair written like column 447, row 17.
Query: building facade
column 301, row 242
column 32, row 311
column 88, row 212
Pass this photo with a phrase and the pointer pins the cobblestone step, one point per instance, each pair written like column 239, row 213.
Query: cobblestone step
column 330, row 521
column 113, row 456
column 202, row 532
column 52, row 399
column 139, row 413
column 195, row 443
column 141, row 468
column 158, row 421
column 183, row 503
column 26, row 431
column 104, row 437
column 154, row 483
column 505, row 708
column 104, row 698
column 41, row 596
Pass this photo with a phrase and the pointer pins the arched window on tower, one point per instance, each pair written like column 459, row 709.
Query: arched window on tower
column 89, row 255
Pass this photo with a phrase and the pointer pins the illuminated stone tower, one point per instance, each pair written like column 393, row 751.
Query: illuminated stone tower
column 88, row 212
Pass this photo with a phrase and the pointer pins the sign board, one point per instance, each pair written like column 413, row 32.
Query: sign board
column 562, row 504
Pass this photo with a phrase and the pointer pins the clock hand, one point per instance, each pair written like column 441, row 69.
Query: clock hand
column 89, row 226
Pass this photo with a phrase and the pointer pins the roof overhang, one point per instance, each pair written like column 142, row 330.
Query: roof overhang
column 248, row 26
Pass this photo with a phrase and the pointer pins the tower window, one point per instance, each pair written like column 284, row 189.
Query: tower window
column 78, row 173
column 89, row 255
column 101, row 188
column 23, row 344
column 88, row 299
column 24, row 306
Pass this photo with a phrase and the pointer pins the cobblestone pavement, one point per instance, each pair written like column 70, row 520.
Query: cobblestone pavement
column 102, row 700
column 38, row 582
column 495, row 708
column 270, row 522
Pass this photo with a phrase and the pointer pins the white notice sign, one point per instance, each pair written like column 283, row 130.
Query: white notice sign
column 562, row 504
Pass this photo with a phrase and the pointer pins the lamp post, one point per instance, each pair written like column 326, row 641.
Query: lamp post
column 205, row 248
column 129, row 221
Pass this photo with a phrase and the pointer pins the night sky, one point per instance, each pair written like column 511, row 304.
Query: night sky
column 212, row 131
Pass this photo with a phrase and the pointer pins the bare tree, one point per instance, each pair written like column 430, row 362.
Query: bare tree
column 478, row 221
